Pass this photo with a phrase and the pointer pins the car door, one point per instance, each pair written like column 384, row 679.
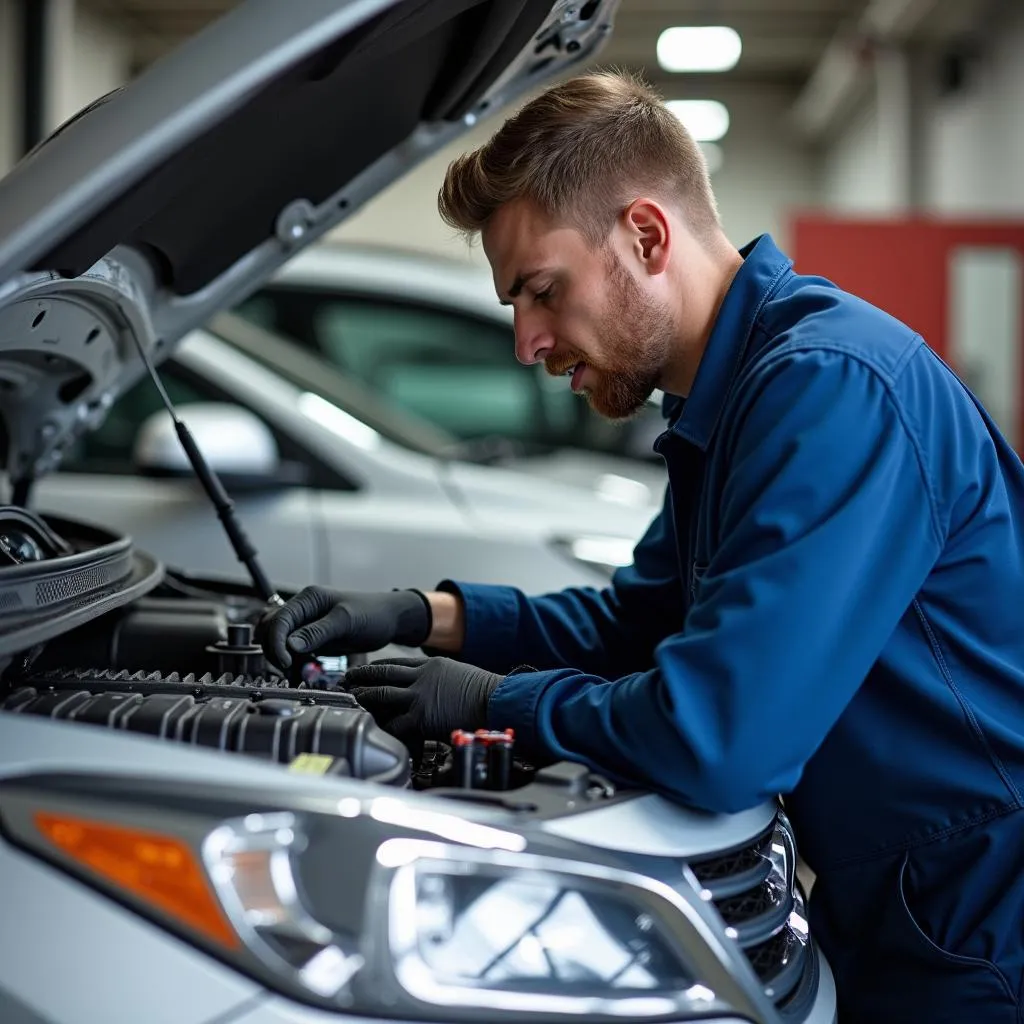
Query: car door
column 170, row 516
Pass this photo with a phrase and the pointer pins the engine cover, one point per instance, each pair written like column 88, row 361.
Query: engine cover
column 247, row 715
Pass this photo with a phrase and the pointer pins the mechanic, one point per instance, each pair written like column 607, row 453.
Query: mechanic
column 830, row 605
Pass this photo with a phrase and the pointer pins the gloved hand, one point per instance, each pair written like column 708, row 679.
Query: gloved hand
column 344, row 623
column 423, row 699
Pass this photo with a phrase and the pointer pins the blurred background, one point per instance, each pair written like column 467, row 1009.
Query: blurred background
column 881, row 142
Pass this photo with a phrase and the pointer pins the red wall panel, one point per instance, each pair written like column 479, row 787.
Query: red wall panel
column 901, row 265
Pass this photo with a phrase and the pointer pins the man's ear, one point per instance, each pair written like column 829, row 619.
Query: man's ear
column 651, row 233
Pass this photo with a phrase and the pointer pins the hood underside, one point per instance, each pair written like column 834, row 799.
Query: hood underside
column 176, row 196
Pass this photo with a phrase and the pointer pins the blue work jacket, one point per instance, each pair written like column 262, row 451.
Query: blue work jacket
column 829, row 606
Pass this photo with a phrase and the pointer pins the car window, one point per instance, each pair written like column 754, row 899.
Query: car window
column 455, row 370
column 458, row 372
column 261, row 310
column 450, row 368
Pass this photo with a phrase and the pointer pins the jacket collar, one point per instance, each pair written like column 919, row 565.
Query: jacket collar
column 696, row 417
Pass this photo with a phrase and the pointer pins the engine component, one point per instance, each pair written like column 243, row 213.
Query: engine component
column 244, row 714
column 44, row 598
column 238, row 654
column 222, row 503
column 152, row 633
column 24, row 537
column 482, row 759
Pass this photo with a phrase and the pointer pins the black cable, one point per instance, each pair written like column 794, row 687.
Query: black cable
column 33, row 73
column 21, row 491
column 223, row 504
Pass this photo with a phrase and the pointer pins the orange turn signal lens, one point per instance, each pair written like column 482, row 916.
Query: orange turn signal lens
column 159, row 869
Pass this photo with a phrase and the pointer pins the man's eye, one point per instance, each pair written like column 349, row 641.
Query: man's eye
column 544, row 295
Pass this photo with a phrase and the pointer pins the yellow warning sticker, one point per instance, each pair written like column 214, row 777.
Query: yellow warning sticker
column 311, row 764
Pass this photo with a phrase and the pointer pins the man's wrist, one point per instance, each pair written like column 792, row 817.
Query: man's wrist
column 448, row 622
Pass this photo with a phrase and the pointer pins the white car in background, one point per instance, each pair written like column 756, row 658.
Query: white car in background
column 427, row 334
column 333, row 485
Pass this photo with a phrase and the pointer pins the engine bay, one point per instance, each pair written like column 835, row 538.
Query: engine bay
column 101, row 634
column 182, row 666
column 181, row 663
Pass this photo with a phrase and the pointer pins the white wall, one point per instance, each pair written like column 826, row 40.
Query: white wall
column 972, row 141
column 91, row 56
column 974, row 159
column 10, row 86
column 850, row 169
column 767, row 170
column 764, row 173
column 861, row 169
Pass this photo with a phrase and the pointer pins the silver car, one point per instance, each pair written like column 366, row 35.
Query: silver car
column 188, row 836
column 334, row 486
column 429, row 337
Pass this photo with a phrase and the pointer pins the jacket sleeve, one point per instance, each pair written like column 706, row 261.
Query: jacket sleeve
column 612, row 631
column 828, row 529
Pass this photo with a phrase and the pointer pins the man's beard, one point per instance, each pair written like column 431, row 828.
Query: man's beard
column 636, row 337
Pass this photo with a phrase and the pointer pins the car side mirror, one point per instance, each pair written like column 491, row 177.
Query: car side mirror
column 238, row 445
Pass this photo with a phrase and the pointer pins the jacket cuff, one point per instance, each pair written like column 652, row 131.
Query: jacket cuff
column 492, row 624
column 513, row 705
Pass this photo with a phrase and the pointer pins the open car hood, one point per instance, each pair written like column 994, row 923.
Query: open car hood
column 173, row 198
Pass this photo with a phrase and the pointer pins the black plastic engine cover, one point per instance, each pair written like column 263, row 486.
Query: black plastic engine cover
column 231, row 713
column 154, row 633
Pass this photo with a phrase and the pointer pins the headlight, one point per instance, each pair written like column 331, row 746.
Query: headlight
column 389, row 907
column 523, row 934
column 250, row 862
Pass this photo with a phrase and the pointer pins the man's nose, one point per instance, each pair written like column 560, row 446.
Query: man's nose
column 534, row 343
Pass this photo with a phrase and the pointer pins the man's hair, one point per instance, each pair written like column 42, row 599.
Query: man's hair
column 582, row 151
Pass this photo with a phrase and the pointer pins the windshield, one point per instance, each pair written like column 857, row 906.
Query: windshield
column 313, row 374
column 421, row 345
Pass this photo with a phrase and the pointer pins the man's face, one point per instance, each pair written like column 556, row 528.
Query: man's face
column 578, row 309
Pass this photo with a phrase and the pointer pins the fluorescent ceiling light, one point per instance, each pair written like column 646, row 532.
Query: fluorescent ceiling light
column 712, row 156
column 705, row 120
column 708, row 48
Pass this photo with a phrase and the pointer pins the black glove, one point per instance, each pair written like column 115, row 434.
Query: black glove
column 345, row 623
column 423, row 699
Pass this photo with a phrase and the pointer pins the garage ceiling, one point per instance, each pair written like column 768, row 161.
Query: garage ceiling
column 782, row 39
